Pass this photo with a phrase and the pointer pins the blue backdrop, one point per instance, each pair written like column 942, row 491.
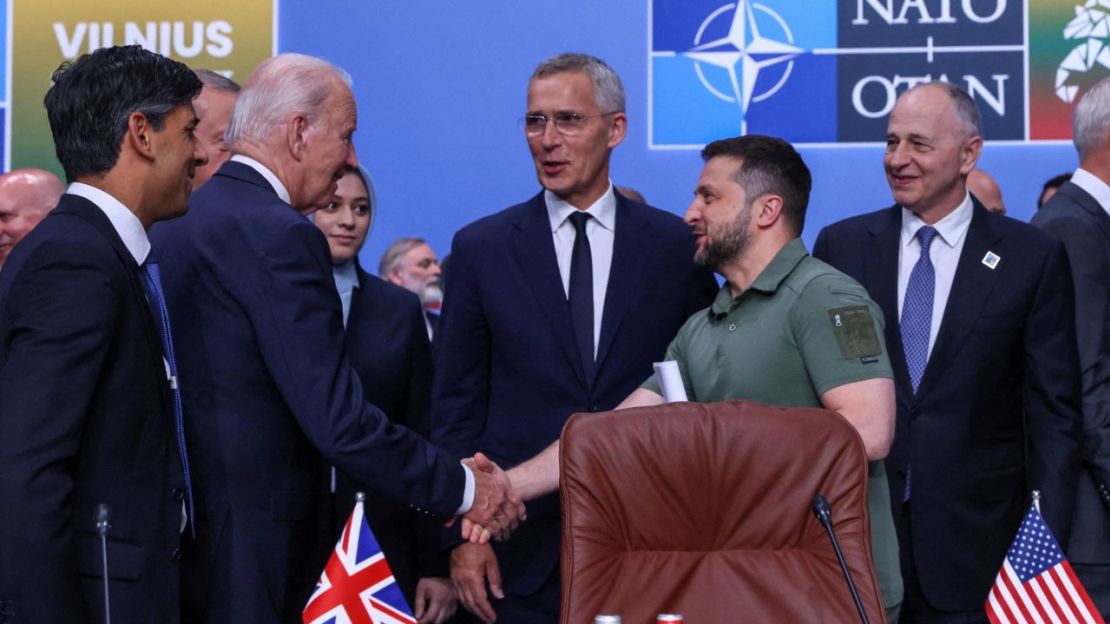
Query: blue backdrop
column 440, row 87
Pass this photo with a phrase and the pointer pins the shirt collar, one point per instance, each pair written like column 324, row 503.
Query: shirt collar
column 1094, row 186
column 346, row 277
column 769, row 279
column 265, row 172
column 126, row 224
column 952, row 228
column 604, row 210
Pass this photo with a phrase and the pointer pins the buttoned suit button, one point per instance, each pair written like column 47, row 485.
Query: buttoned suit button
column 179, row 493
column 914, row 413
column 175, row 556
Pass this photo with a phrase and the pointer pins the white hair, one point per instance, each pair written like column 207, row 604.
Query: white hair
column 280, row 87
column 1092, row 119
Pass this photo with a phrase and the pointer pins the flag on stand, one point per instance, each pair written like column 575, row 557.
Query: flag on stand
column 1036, row 583
column 357, row 586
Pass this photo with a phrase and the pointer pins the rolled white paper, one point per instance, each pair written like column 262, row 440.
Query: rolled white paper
column 670, row 381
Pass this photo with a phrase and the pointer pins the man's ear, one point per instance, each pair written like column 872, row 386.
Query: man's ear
column 296, row 132
column 969, row 154
column 768, row 210
column 140, row 135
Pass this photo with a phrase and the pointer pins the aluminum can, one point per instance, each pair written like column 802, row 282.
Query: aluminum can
column 669, row 618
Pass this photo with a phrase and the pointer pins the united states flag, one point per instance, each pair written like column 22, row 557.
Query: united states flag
column 357, row 586
column 1036, row 583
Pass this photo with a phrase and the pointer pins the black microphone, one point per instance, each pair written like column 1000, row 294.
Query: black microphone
column 823, row 512
column 102, row 526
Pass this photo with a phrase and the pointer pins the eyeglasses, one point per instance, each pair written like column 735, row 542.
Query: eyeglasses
column 566, row 124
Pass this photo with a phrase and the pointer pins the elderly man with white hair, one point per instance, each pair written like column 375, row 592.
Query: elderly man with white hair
column 1078, row 214
column 270, row 396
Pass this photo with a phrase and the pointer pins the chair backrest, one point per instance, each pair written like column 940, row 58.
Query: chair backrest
column 705, row 510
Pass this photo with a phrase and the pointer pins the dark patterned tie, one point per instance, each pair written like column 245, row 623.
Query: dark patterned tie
column 580, row 294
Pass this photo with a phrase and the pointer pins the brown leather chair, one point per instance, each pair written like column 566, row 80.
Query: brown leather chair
column 705, row 510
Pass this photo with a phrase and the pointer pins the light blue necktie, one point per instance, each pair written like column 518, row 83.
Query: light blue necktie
column 153, row 282
column 917, row 317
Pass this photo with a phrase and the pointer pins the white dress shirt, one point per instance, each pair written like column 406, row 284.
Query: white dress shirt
column 944, row 252
column 1094, row 186
column 125, row 223
column 601, row 230
column 265, row 172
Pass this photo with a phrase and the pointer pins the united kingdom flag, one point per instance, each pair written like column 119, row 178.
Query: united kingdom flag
column 357, row 586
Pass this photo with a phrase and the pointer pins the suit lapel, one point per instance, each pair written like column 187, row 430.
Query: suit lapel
column 971, row 289
column 881, row 280
column 87, row 210
column 533, row 248
column 626, row 272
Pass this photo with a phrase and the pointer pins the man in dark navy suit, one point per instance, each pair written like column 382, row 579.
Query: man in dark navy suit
column 86, row 404
column 557, row 305
column 979, row 322
column 1079, row 215
column 270, row 392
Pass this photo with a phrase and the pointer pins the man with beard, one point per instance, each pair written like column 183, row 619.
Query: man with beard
column 786, row 329
column 411, row 263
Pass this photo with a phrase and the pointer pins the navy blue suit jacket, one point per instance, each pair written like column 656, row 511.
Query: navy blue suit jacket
column 271, row 399
column 508, row 373
column 1078, row 221
column 997, row 411
column 85, row 418
column 388, row 345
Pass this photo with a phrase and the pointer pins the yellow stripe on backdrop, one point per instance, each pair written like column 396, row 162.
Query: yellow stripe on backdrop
column 228, row 37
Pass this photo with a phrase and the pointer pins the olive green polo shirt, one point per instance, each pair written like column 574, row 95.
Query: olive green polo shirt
column 800, row 330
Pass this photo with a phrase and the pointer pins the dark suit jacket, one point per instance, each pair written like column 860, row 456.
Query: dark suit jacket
column 1076, row 219
column 1003, row 375
column 271, row 399
column 86, row 417
column 508, row 373
column 388, row 345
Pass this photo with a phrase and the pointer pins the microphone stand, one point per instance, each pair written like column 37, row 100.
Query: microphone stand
column 823, row 513
column 102, row 526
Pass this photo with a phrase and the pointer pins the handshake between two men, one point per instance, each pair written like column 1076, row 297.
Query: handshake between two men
column 497, row 508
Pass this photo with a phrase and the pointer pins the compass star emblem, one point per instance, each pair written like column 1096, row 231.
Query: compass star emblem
column 744, row 51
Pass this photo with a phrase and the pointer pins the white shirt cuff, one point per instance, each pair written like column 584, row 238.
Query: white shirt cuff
column 468, row 492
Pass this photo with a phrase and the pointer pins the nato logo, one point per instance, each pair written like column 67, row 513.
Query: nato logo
column 744, row 67
column 823, row 71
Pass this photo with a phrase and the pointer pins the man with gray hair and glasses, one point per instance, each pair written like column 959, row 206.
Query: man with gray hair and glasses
column 557, row 305
column 979, row 323
column 271, row 398
column 1079, row 216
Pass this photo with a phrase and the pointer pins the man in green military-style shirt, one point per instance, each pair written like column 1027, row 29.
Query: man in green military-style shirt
column 786, row 329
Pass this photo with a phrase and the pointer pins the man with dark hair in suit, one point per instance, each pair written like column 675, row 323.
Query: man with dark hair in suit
column 87, row 394
column 979, row 322
column 557, row 305
column 272, row 397
column 1079, row 215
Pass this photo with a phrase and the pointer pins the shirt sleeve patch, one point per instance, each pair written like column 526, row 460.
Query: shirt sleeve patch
column 855, row 333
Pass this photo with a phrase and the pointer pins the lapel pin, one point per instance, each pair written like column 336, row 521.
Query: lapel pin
column 991, row 260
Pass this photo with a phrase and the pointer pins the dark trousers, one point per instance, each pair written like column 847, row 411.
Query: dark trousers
column 915, row 607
